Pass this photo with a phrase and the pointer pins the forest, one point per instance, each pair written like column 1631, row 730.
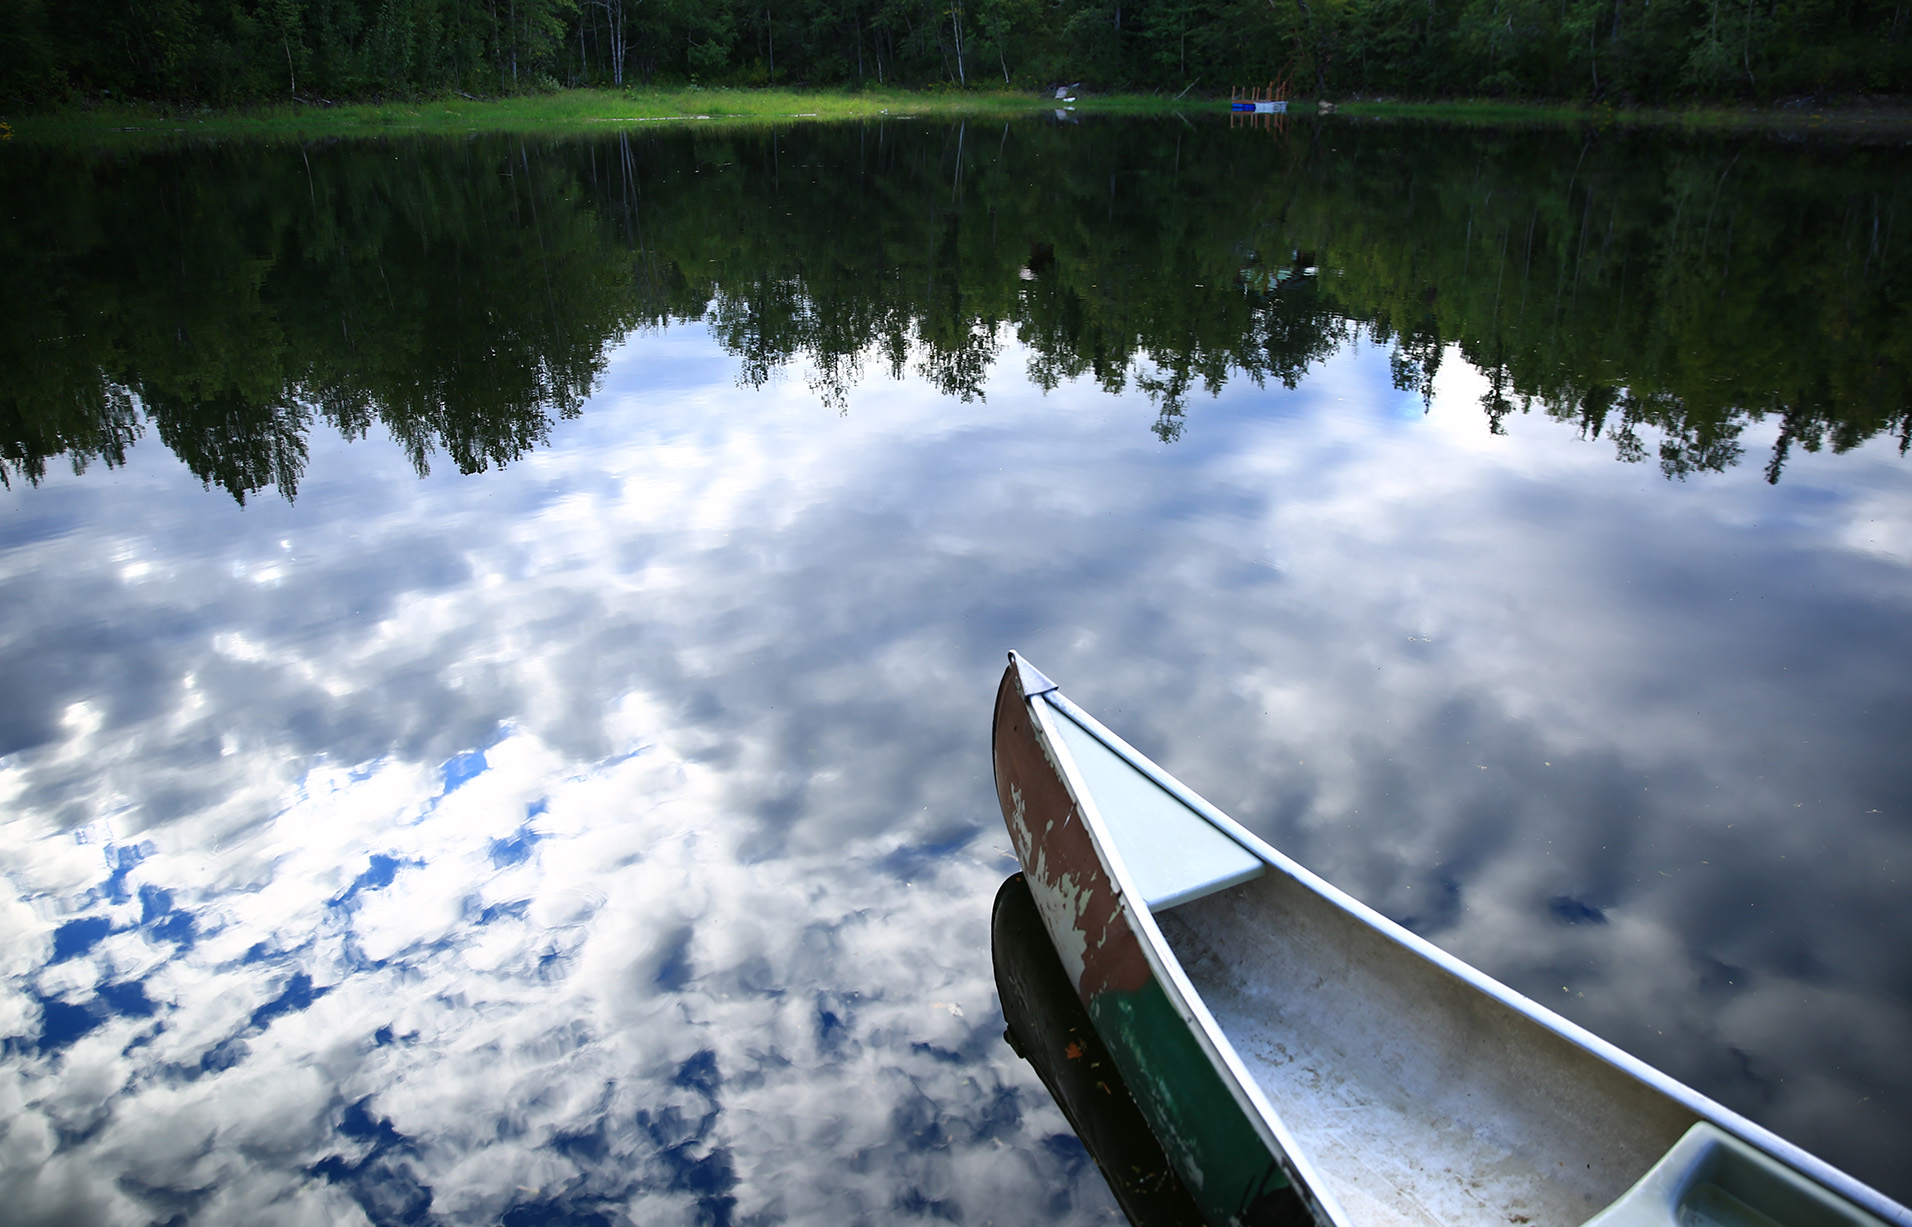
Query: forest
column 236, row 52
column 1654, row 296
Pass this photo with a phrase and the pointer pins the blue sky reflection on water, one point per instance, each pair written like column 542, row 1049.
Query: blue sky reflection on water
column 608, row 838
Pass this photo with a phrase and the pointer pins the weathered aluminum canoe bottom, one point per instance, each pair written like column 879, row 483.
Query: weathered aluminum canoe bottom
column 1420, row 1100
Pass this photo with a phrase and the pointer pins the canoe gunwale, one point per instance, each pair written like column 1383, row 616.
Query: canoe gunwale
column 1167, row 969
column 1161, row 956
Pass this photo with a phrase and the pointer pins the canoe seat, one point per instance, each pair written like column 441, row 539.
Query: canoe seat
column 1172, row 853
column 1712, row 1179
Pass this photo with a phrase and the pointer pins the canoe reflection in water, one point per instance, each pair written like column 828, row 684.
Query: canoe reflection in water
column 1048, row 1028
column 1303, row 1059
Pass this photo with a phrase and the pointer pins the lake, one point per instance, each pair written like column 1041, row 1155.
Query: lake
column 499, row 634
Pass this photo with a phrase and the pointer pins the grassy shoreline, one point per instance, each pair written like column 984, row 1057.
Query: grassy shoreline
column 1841, row 118
column 584, row 110
column 577, row 110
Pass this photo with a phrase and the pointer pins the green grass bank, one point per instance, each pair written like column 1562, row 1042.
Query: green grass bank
column 592, row 109
column 580, row 109
column 1849, row 117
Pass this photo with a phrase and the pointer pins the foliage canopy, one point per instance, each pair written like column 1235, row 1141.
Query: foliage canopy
column 225, row 52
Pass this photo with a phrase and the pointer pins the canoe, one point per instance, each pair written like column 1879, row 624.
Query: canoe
column 1303, row 1060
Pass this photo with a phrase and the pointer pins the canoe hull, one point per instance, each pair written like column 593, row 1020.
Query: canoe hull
column 1224, row 1158
column 1048, row 1028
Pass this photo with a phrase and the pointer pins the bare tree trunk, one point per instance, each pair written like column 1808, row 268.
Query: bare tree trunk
column 618, row 25
column 955, row 23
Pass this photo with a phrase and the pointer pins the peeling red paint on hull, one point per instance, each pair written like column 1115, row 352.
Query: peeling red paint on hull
column 1215, row 1146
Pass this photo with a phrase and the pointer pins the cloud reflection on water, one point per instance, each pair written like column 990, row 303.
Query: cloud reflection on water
column 614, row 831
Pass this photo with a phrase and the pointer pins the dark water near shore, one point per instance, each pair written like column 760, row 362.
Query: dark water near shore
column 498, row 635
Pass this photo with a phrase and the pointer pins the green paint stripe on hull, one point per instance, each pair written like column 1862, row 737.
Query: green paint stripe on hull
column 1212, row 1142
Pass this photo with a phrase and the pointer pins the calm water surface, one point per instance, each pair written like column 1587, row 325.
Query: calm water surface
column 498, row 635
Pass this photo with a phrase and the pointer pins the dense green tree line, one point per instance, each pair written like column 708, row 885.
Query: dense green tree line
column 462, row 295
column 230, row 51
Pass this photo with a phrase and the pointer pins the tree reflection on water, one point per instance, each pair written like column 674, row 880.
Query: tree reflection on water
column 1660, row 292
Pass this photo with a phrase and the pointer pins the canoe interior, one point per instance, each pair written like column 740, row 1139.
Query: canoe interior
column 1419, row 1099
